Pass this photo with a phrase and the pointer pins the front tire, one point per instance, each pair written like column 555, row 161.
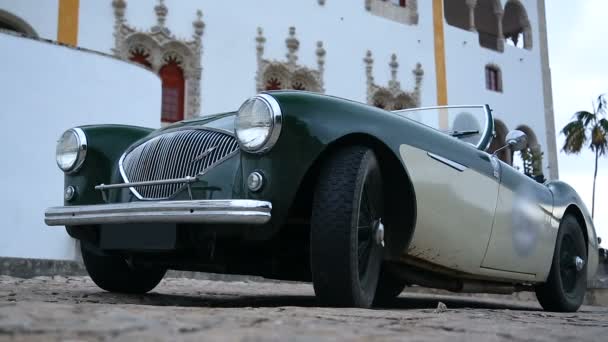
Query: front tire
column 566, row 285
column 346, row 229
column 114, row 274
column 389, row 287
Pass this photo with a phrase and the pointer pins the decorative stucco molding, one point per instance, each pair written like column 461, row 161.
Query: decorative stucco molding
column 392, row 97
column 289, row 74
column 159, row 46
column 383, row 8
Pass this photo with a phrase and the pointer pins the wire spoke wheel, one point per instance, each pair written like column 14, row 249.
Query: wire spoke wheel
column 346, row 246
column 568, row 271
column 566, row 284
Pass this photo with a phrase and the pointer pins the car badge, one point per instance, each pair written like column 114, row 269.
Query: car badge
column 203, row 155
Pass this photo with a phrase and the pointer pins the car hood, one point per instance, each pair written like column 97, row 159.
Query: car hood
column 222, row 121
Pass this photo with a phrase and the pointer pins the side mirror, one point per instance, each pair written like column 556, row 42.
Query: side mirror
column 517, row 140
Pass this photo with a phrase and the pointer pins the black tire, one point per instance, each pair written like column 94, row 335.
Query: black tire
column 565, row 288
column 348, row 205
column 389, row 287
column 114, row 274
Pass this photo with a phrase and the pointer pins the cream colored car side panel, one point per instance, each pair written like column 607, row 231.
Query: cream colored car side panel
column 455, row 211
column 522, row 236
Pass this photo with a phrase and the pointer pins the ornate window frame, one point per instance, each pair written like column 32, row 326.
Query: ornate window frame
column 289, row 73
column 498, row 84
column 492, row 37
column 159, row 45
column 392, row 96
column 406, row 15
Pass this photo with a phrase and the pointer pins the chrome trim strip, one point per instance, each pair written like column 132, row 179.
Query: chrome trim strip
column 448, row 162
column 147, row 183
column 277, row 121
column 196, row 211
column 437, row 107
column 82, row 150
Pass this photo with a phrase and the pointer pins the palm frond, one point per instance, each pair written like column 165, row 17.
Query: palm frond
column 601, row 103
column 604, row 124
column 576, row 136
column 599, row 137
column 585, row 117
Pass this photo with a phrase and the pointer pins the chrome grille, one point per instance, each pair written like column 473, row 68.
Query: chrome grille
column 173, row 155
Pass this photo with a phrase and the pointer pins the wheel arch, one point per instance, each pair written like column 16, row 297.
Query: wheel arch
column 575, row 211
column 398, row 193
column 566, row 201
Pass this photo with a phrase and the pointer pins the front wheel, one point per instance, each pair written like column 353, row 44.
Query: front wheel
column 389, row 287
column 566, row 285
column 114, row 274
column 347, row 233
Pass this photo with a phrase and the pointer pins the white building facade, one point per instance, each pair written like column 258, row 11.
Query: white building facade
column 212, row 55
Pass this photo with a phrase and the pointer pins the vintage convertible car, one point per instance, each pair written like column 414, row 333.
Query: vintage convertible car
column 308, row 187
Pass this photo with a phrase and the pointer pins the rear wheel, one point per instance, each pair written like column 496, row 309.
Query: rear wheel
column 566, row 285
column 346, row 246
column 115, row 274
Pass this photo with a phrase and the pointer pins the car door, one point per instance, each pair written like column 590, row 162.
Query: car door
column 522, row 238
column 456, row 199
column 456, row 186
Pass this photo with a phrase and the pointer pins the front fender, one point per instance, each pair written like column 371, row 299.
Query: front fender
column 566, row 199
column 312, row 122
column 105, row 145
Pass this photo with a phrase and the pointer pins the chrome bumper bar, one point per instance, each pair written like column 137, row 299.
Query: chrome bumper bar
column 194, row 211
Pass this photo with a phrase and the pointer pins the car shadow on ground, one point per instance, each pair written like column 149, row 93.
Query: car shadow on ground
column 225, row 300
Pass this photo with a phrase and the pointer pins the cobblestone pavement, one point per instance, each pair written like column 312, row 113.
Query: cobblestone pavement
column 74, row 309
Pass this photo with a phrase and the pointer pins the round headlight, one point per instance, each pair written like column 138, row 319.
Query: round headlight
column 258, row 123
column 71, row 150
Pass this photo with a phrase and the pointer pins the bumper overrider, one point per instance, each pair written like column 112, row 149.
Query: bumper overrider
column 237, row 211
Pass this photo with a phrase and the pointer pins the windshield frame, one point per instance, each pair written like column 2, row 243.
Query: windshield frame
column 488, row 131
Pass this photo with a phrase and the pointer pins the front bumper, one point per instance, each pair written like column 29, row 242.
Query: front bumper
column 193, row 211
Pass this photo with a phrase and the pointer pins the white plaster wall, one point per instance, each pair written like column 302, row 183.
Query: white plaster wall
column 229, row 49
column 40, row 15
column 47, row 89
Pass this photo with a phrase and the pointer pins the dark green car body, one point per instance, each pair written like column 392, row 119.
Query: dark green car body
column 313, row 128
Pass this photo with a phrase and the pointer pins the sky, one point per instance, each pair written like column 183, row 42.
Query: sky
column 578, row 54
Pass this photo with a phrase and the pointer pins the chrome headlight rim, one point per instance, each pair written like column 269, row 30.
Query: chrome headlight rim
column 81, row 138
column 276, row 124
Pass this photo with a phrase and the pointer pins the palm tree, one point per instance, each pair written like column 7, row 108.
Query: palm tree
column 588, row 127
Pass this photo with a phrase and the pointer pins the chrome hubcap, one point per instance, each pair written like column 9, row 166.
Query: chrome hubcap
column 379, row 233
column 579, row 263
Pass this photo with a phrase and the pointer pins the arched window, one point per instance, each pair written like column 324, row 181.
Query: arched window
column 172, row 77
column 493, row 78
column 141, row 56
column 457, row 13
column 487, row 24
column 516, row 26
column 11, row 22
column 273, row 83
column 531, row 158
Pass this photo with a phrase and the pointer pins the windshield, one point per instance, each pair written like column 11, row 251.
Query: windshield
column 471, row 124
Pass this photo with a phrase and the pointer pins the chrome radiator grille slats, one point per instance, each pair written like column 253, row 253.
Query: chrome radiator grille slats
column 173, row 155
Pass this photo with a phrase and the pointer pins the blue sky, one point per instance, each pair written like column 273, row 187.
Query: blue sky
column 578, row 55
